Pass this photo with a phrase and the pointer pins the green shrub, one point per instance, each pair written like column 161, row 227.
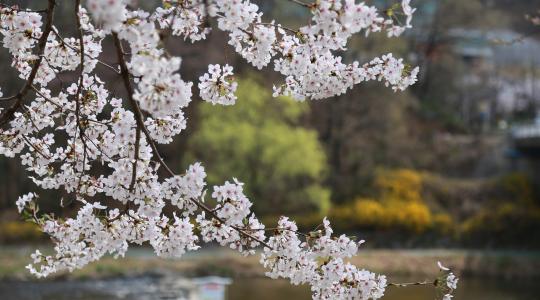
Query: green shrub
column 261, row 142
column 507, row 224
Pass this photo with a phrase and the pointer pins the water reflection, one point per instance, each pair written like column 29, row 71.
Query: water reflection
column 469, row 289
column 170, row 287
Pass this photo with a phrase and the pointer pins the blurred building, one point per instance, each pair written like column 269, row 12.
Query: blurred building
column 499, row 80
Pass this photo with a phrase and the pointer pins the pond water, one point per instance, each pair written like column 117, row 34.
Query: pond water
column 169, row 287
column 468, row 289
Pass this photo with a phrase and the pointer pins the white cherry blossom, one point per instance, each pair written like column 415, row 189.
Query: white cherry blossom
column 24, row 200
column 108, row 14
column 217, row 86
column 451, row 281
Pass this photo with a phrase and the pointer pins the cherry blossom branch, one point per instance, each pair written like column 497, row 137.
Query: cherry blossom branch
column 49, row 100
column 34, row 147
column 154, row 86
column 8, row 114
column 61, row 40
column 124, row 71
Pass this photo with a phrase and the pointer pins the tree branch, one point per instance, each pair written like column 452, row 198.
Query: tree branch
column 80, row 85
column 124, row 72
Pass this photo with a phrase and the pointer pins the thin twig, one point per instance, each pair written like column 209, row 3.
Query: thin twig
column 406, row 284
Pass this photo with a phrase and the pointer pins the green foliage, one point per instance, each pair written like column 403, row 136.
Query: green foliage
column 512, row 218
column 260, row 141
column 506, row 224
column 518, row 186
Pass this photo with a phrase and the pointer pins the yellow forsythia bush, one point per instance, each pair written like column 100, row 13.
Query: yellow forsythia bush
column 399, row 205
column 414, row 216
column 369, row 212
column 402, row 185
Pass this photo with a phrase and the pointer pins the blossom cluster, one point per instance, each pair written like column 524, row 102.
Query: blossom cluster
column 83, row 140
column 216, row 86
column 306, row 56
column 20, row 30
column 287, row 256
column 447, row 283
column 110, row 14
column 23, row 201
column 185, row 18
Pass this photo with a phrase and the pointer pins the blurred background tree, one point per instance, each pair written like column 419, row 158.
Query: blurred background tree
column 258, row 140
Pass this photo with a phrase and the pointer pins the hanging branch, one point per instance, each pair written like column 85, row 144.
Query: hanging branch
column 8, row 114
